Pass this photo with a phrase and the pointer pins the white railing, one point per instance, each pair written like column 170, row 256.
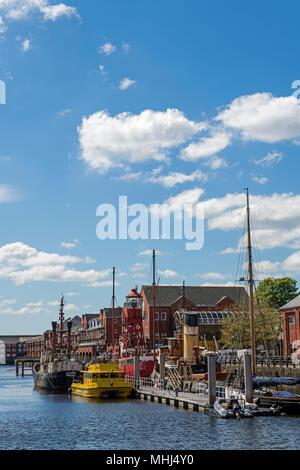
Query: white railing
column 220, row 392
column 201, row 389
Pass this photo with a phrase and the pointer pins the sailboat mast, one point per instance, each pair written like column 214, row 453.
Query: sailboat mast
column 153, row 288
column 113, row 311
column 61, row 316
column 251, row 282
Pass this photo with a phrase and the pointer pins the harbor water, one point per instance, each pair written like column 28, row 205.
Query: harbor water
column 30, row 419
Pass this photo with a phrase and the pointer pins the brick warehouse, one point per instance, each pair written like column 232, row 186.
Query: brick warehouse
column 169, row 299
column 291, row 325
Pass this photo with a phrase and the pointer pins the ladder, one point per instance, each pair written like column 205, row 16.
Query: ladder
column 174, row 378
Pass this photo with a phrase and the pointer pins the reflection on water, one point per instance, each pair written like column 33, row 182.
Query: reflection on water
column 30, row 419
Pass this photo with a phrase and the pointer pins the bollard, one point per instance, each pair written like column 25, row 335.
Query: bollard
column 136, row 371
column 248, row 378
column 211, row 362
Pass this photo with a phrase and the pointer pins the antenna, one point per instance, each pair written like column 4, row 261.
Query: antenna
column 113, row 310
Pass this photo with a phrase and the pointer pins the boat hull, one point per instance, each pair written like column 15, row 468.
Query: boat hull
column 101, row 392
column 53, row 382
column 146, row 368
column 289, row 405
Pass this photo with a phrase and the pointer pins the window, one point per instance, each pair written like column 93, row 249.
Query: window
column 104, row 376
column 116, row 331
column 114, row 375
column 164, row 335
column 157, row 335
column 163, row 315
column 292, row 319
column 156, row 315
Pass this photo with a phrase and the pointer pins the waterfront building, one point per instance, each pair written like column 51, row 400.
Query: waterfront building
column 170, row 299
column 13, row 347
column 291, row 325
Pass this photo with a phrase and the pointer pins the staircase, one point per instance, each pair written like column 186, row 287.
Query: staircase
column 174, row 379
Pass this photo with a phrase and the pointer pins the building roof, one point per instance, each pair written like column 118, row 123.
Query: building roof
column 201, row 296
column 295, row 303
column 90, row 316
column 108, row 312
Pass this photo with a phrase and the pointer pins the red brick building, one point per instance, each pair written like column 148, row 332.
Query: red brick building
column 12, row 347
column 291, row 325
column 169, row 299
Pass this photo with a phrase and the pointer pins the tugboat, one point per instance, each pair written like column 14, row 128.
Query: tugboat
column 56, row 370
column 102, row 381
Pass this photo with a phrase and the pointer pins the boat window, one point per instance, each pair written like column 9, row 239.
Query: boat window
column 104, row 376
column 114, row 375
column 122, row 374
column 95, row 376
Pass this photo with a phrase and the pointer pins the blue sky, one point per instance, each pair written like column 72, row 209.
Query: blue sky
column 225, row 73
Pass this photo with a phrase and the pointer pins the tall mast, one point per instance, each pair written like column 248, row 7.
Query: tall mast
column 113, row 310
column 153, row 287
column 61, row 316
column 251, row 282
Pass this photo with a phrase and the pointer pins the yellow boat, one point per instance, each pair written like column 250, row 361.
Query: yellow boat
column 102, row 380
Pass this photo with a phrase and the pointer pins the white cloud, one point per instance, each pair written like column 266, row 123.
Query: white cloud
column 139, row 267
column 149, row 252
column 213, row 275
column 108, row 48
column 206, row 147
column 72, row 244
column 263, row 117
column 216, row 162
column 22, row 263
column 167, row 273
column 272, row 158
column 108, row 142
column 128, row 177
column 3, row 27
column 260, row 180
column 70, row 308
column 7, row 193
column 126, row 83
column 225, row 284
column 26, row 45
column 14, row 10
column 174, row 178
column 64, row 112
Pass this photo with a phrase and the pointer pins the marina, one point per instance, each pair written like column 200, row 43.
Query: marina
column 83, row 423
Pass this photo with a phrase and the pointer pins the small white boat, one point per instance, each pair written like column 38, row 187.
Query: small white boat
column 231, row 408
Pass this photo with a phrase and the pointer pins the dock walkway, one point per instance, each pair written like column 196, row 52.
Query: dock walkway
column 189, row 401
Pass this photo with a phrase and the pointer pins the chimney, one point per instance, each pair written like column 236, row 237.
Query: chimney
column 54, row 323
column 69, row 325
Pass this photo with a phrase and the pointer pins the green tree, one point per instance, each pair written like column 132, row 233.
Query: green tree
column 276, row 292
column 235, row 331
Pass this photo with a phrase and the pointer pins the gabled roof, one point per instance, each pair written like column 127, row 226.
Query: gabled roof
column 201, row 296
column 295, row 303
column 90, row 316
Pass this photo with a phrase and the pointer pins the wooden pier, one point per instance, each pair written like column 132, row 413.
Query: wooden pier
column 29, row 361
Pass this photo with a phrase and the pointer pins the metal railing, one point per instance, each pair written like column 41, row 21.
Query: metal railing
column 269, row 362
column 202, row 389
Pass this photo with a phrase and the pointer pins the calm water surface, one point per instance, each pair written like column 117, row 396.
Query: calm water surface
column 30, row 419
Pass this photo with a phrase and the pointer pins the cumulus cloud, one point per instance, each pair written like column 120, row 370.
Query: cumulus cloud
column 108, row 142
column 167, row 273
column 263, row 117
column 108, row 48
column 126, row 83
column 26, row 45
column 72, row 244
column 13, row 10
column 149, row 252
column 260, row 180
column 22, row 263
column 174, row 178
column 206, row 147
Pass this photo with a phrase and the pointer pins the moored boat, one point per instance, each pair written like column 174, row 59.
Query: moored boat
column 147, row 364
column 101, row 381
